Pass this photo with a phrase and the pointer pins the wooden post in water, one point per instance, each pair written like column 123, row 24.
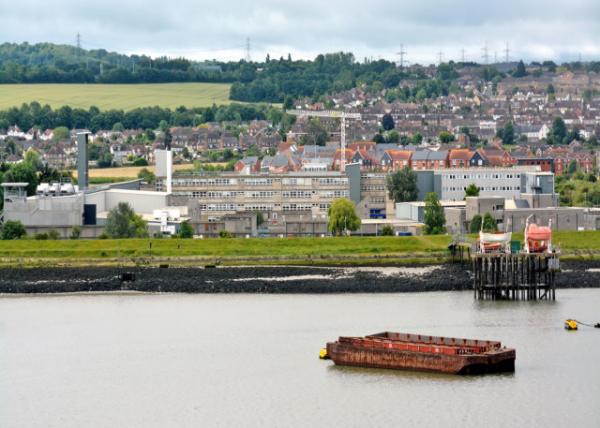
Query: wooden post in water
column 501, row 276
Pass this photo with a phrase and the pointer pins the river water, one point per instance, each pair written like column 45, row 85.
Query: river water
column 184, row 360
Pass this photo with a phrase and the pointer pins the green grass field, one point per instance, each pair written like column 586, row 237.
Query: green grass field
column 277, row 250
column 109, row 96
column 326, row 251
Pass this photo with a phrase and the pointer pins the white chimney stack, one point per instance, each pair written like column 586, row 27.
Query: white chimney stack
column 169, row 170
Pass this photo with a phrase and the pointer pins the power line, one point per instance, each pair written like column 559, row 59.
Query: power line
column 440, row 57
column 248, row 58
column 486, row 54
column 78, row 43
column 402, row 54
column 507, row 53
column 462, row 55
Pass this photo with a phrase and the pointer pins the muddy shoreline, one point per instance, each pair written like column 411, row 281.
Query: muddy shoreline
column 267, row 279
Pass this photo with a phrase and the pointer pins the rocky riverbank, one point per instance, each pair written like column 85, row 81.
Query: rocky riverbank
column 266, row 279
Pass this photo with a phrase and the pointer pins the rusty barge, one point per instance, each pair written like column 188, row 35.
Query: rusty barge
column 403, row 351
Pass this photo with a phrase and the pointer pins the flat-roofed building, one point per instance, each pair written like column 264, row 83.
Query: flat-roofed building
column 271, row 194
column 509, row 182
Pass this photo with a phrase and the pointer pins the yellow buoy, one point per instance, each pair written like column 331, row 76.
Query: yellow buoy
column 323, row 354
column 570, row 324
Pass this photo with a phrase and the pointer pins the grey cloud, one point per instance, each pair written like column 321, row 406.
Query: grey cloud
column 535, row 29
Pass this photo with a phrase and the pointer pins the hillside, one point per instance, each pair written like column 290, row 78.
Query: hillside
column 112, row 96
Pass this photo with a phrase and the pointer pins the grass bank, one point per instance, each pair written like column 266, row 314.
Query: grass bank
column 271, row 251
column 116, row 96
column 255, row 251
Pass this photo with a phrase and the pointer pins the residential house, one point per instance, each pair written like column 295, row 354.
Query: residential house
column 464, row 158
column 248, row 165
column 393, row 160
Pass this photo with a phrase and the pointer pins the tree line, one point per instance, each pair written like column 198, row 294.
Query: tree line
column 271, row 80
column 94, row 119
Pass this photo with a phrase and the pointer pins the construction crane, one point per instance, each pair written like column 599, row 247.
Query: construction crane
column 342, row 115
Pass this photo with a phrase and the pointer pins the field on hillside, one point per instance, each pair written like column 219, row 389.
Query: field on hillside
column 128, row 171
column 116, row 96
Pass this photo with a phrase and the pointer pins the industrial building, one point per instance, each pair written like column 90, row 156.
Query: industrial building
column 510, row 182
column 293, row 203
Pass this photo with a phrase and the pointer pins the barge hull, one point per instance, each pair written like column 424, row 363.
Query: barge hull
column 502, row 360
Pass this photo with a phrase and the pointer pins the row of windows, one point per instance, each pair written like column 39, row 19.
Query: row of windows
column 190, row 182
column 294, row 181
column 480, row 176
column 333, row 193
column 333, row 180
column 261, row 207
column 297, row 194
column 373, row 188
column 266, row 194
column 481, row 188
column 297, row 207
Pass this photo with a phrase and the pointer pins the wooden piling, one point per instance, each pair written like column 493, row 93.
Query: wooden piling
column 521, row 276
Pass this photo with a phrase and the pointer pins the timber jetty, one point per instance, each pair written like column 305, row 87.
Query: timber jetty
column 520, row 276
column 403, row 351
column 501, row 270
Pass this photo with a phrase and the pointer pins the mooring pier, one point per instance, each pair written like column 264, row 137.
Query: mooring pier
column 518, row 276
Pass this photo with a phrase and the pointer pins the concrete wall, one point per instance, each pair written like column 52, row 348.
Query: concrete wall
column 544, row 200
column 455, row 219
column 481, row 205
column 87, row 232
column 425, row 183
column 140, row 201
column 50, row 211
column 354, row 180
column 537, row 182
column 410, row 211
column 563, row 218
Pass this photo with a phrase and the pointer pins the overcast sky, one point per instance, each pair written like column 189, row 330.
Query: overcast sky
column 198, row 29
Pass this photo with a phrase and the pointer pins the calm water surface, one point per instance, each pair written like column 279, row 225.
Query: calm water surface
column 165, row 360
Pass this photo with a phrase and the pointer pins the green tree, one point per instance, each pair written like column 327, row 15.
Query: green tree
column 23, row 172
column 572, row 168
column 475, row 225
column 260, row 218
column 489, row 224
column 387, row 122
column 315, row 133
column 434, row 218
column 12, row 229
column 392, row 137
column 75, row 232
column 559, row 130
column 32, row 157
column 123, row 222
column 140, row 162
column 186, row 230
column 521, row 71
column 387, row 230
column 446, row 137
column 118, row 127
column 163, row 125
column 472, row 190
column 146, row 175
column 402, row 185
column 61, row 133
column 105, row 160
column 342, row 217
column 508, row 134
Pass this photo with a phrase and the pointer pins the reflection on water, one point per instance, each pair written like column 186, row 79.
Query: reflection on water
column 156, row 360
